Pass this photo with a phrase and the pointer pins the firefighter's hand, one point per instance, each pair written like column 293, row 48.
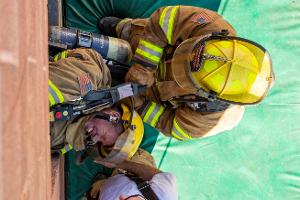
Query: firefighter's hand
column 96, row 187
column 139, row 74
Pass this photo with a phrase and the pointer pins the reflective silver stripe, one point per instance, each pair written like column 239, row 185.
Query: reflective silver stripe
column 153, row 113
column 166, row 20
column 155, row 53
column 178, row 135
column 53, row 94
column 59, row 56
column 178, row 132
column 149, row 51
column 66, row 148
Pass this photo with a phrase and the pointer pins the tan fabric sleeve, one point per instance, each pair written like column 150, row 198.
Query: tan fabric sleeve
column 139, row 74
column 194, row 21
column 196, row 124
column 189, row 22
column 173, row 24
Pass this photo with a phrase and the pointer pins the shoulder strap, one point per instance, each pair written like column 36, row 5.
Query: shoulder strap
column 144, row 187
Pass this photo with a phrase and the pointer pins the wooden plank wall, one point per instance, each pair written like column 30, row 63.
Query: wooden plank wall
column 24, row 139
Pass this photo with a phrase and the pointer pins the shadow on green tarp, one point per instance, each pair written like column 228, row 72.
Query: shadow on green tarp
column 85, row 15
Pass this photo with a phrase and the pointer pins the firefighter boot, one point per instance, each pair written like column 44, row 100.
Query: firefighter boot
column 107, row 25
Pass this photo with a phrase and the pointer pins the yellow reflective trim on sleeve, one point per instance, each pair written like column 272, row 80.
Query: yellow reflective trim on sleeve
column 176, row 136
column 56, row 57
column 57, row 92
column 63, row 54
column 180, row 130
column 51, row 99
column 162, row 16
column 149, row 111
column 67, row 148
column 63, row 151
column 156, row 117
column 147, row 55
column 151, row 46
column 60, row 55
column 171, row 24
column 153, row 113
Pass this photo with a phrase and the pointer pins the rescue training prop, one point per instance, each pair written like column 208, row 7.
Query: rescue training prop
column 93, row 100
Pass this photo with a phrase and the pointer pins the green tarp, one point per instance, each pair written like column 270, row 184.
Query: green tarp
column 85, row 14
column 260, row 158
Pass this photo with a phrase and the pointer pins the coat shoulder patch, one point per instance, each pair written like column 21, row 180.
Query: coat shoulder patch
column 201, row 18
column 85, row 83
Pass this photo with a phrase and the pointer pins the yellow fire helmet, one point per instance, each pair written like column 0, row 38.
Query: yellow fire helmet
column 226, row 68
column 127, row 143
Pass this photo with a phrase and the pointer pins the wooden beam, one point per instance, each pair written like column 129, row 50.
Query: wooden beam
column 24, row 127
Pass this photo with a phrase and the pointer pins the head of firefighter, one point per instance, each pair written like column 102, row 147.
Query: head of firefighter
column 223, row 68
column 112, row 134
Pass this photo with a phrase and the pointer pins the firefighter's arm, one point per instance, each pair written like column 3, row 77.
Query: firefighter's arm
column 149, row 52
column 182, row 123
column 188, row 124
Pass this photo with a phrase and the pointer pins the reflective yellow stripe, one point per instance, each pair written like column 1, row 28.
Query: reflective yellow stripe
column 149, row 111
column 176, row 136
column 156, row 117
column 147, row 55
column 56, row 57
column 149, row 52
column 63, row 54
column 51, row 99
column 151, row 46
column 171, row 24
column 163, row 15
column 67, row 148
column 178, row 132
column 63, row 151
column 55, row 95
column 166, row 21
column 153, row 113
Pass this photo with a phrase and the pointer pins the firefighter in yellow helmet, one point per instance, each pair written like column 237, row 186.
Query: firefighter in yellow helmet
column 111, row 133
column 198, row 73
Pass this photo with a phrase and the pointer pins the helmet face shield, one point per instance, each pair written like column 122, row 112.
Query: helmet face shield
column 235, row 70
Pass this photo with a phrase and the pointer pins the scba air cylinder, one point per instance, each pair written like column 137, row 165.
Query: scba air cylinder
column 110, row 48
